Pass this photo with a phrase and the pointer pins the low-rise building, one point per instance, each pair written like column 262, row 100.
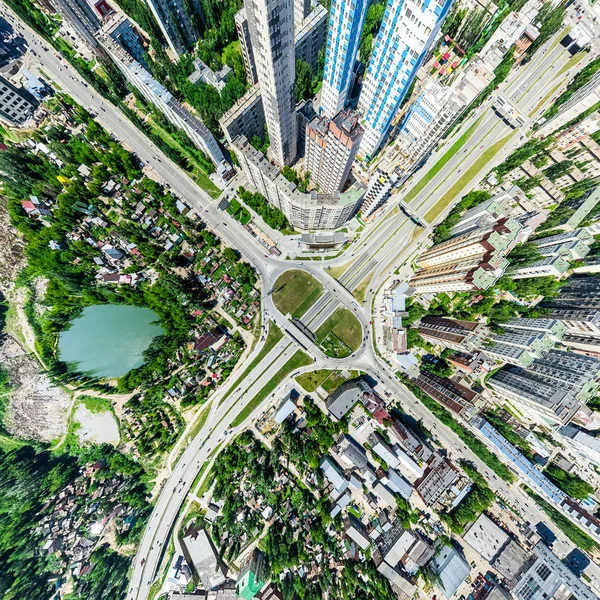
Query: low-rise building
column 201, row 554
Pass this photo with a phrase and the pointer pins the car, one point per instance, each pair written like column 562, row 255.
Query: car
column 225, row 432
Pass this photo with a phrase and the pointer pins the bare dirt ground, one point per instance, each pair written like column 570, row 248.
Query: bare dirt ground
column 37, row 408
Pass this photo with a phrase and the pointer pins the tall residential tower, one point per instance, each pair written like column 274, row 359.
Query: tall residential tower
column 346, row 21
column 271, row 26
column 407, row 32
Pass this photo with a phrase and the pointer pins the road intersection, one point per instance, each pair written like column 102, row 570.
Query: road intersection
column 384, row 246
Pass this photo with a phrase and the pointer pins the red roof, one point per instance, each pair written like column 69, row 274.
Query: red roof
column 28, row 205
column 446, row 55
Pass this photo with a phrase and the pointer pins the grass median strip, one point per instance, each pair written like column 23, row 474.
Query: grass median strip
column 466, row 177
column 299, row 359
column 275, row 334
column 440, row 164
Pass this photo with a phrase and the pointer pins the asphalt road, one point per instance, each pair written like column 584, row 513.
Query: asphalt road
column 381, row 246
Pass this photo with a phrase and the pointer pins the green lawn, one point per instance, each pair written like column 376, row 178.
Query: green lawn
column 440, row 164
column 467, row 176
column 340, row 335
column 295, row 292
column 330, row 380
column 299, row 359
column 275, row 334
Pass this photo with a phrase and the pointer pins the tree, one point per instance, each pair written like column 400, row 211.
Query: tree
column 303, row 81
column 570, row 483
column 230, row 255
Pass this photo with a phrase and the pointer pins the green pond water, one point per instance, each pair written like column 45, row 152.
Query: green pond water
column 108, row 340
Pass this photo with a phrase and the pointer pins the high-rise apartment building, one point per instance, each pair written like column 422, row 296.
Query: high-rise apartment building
column 301, row 11
column 576, row 373
column 305, row 211
column 176, row 23
column 346, row 20
column 16, row 104
column 518, row 347
column 331, row 145
column 245, row 117
column 470, row 261
column 271, row 26
column 243, row 31
column 123, row 31
column 434, row 111
column 579, row 292
column 309, row 38
column 407, row 31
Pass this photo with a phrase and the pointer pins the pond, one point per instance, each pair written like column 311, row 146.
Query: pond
column 108, row 340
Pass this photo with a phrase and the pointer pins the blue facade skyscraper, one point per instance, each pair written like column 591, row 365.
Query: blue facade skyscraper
column 408, row 29
column 346, row 20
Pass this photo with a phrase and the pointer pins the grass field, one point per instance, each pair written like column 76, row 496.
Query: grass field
column 360, row 292
column 275, row 334
column 340, row 335
column 466, row 177
column 295, row 292
column 330, row 380
column 440, row 164
column 337, row 272
column 299, row 359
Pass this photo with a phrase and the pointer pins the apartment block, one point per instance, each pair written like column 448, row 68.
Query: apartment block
column 177, row 22
column 379, row 189
column 458, row 398
column 552, row 266
column 243, row 32
column 17, row 105
column 310, row 36
column 576, row 373
column 246, row 117
column 584, row 98
column 305, row 211
column 124, row 32
column 494, row 238
column 434, row 111
column 452, row 333
column 579, row 292
column 583, row 344
column 533, row 397
column 518, row 347
column 406, row 34
column 472, row 261
column 572, row 245
column 477, row 273
column 346, row 20
column 585, row 321
column 331, row 146
column 155, row 93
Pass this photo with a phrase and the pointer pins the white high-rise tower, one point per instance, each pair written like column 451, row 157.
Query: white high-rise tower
column 346, row 20
column 407, row 32
column 271, row 25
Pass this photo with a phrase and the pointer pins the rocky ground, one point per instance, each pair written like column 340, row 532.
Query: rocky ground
column 37, row 408
column 12, row 259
